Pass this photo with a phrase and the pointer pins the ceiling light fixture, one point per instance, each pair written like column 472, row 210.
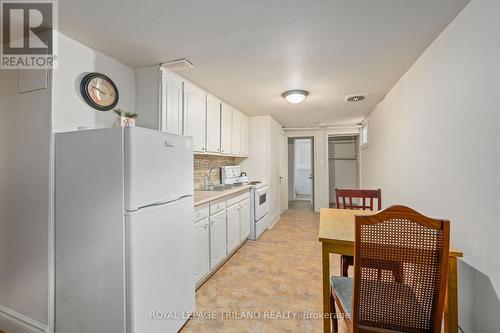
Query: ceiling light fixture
column 295, row 96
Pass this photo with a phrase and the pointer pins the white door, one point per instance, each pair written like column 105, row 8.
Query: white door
column 226, row 129
column 233, row 227
column 213, row 124
column 171, row 103
column 158, row 167
column 195, row 115
column 236, row 133
column 245, row 135
column 202, row 249
column 218, row 240
column 159, row 265
column 244, row 219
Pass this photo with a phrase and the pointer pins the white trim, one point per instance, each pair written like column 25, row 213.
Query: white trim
column 364, row 145
column 51, row 240
column 22, row 321
column 325, row 128
column 274, row 223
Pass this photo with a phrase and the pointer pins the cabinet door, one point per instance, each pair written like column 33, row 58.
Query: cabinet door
column 171, row 103
column 226, row 129
column 244, row 219
column 236, row 134
column 213, row 124
column 245, row 135
column 233, row 227
column 218, row 240
column 194, row 115
column 202, row 250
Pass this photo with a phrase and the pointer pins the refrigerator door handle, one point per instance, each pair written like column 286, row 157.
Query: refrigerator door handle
column 160, row 203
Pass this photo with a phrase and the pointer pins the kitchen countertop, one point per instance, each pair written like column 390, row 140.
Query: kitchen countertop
column 201, row 197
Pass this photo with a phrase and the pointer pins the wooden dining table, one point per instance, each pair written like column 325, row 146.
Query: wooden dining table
column 336, row 234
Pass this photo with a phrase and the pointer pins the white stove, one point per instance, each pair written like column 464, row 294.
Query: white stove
column 259, row 199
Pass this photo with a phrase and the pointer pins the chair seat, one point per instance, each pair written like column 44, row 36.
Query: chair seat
column 343, row 288
column 400, row 300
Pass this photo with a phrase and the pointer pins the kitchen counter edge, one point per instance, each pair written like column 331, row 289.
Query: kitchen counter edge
column 201, row 197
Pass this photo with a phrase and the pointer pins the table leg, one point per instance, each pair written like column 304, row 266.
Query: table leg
column 451, row 309
column 326, row 288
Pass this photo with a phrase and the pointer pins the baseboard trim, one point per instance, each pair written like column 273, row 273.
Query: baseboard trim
column 18, row 320
column 275, row 221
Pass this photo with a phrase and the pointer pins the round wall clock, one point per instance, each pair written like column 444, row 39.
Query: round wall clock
column 99, row 91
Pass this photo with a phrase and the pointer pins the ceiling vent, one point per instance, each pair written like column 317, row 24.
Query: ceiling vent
column 355, row 98
column 178, row 65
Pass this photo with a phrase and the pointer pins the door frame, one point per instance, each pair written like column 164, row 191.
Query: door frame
column 292, row 177
column 358, row 160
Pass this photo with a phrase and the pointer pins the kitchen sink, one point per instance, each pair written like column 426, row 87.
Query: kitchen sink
column 221, row 187
column 216, row 188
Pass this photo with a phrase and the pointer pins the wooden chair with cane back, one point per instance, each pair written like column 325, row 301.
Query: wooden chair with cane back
column 346, row 199
column 421, row 245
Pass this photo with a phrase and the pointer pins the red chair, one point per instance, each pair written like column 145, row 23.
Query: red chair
column 346, row 199
column 347, row 196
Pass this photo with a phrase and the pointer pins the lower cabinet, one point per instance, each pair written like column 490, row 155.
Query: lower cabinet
column 244, row 219
column 218, row 238
column 219, row 231
column 202, row 249
column 233, row 227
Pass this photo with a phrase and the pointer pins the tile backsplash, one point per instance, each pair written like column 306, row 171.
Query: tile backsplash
column 202, row 165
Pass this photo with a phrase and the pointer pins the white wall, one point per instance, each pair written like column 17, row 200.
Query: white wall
column 75, row 60
column 28, row 121
column 24, row 203
column 434, row 145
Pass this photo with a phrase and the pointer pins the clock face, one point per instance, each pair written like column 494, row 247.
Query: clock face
column 99, row 91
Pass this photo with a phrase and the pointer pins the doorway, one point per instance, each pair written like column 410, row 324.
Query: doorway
column 301, row 172
column 343, row 164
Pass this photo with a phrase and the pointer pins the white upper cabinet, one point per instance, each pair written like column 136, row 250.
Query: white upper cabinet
column 240, row 134
column 236, row 133
column 195, row 115
column 213, row 124
column 245, row 135
column 226, row 129
column 165, row 101
column 171, row 103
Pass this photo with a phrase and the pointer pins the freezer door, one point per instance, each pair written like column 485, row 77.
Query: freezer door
column 158, row 167
column 160, row 267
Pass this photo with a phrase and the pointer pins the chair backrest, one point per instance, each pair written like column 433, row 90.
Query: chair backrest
column 344, row 198
column 419, row 246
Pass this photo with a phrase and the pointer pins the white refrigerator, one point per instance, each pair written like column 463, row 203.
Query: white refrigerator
column 124, row 237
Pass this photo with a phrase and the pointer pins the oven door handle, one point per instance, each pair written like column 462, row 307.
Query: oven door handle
column 262, row 191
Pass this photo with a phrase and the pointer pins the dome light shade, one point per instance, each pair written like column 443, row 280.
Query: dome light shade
column 295, row 96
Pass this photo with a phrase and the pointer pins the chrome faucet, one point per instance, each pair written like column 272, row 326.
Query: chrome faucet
column 207, row 178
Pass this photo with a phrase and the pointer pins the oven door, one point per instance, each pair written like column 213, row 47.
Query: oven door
column 261, row 202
